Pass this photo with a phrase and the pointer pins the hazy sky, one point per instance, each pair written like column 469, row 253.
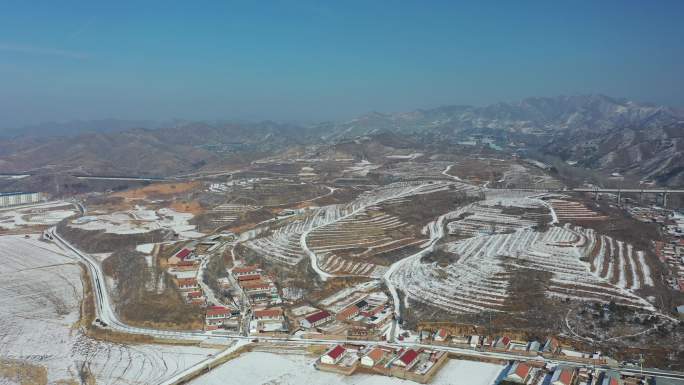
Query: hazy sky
column 300, row 60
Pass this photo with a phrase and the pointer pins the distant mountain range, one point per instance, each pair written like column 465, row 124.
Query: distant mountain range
column 76, row 127
column 593, row 130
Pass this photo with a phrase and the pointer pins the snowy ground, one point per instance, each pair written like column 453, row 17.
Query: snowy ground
column 140, row 220
column 290, row 369
column 477, row 280
column 43, row 214
column 40, row 296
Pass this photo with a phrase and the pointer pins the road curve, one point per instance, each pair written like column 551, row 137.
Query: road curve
column 105, row 311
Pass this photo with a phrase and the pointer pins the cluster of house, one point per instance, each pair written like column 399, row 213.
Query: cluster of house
column 259, row 289
column 671, row 252
column 369, row 313
column 415, row 364
column 501, row 343
column 536, row 373
column 549, row 347
column 532, row 374
column 184, row 267
column 421, row 364
column 648, row 214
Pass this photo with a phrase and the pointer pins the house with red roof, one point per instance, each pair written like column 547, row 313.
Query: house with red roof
column 611, row 378
column 246, row 270
column 216, row 316
column 334, row 355
column 217, row 312
column 348, row 313
column 186, row 265
column 502, row 343
column 373, row 357
column 563, row 375
column 249, row 277
column 407, row 359
column 257, row 286
column 441, row 335
column 196, row 297
column 552, row 345
column 275, row 314
column 187, row 283
column 316, row 319
column 182, row 255
column 519, row 373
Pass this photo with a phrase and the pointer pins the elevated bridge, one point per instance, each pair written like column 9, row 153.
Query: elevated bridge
column 665, row 192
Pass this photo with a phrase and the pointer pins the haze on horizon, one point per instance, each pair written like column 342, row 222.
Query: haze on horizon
column 310, row 60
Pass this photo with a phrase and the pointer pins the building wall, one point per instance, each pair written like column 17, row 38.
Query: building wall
column 20, row 199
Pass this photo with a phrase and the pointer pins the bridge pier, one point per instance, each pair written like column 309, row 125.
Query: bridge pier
column 665, row 199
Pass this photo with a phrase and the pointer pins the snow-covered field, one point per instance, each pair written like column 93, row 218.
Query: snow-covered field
column 488, row 218
column 290, row 243
column 140, row 220
column 290, row 369
column 44, row 214
column 584, row 266
column 41, row 293
column 569, row 210
column 229, row 213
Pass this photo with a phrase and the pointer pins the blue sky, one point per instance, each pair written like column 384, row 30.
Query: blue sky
column 308, row 61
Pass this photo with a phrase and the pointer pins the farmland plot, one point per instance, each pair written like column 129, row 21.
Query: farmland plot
column 571, row 210
column 41, row 293
column 615, row 261
column 45, row 214
column 519, row 175
column 309, row 234
column 228, row 213
column 343, row 245
column 139, row 220
column 417, row 170
column 479, row 278
column 489, row 217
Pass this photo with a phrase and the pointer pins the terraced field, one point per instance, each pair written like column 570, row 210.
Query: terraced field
column 339, row 237
column 228, row 213
column 571, row 210
column 584, row 267
column 616, row 261
column 343, row 245
column 491, row 217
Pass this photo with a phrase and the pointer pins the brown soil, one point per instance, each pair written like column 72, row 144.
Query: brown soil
column 22, row 372
column 159, row 189
column 192, row 207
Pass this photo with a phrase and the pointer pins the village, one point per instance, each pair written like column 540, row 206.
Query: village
column 372, row 246
column 364, row 317
column 421, row 364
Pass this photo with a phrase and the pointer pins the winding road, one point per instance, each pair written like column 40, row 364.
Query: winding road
column 106, row 313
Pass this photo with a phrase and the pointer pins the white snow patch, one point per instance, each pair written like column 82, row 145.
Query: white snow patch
column 42, row 292
column 290, row 369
